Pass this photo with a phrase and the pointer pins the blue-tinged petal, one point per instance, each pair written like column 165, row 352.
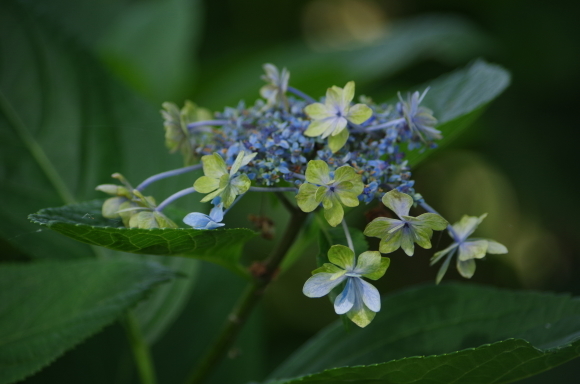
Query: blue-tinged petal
column 438, row 255
column 360, row 314
column 321, row 284
column 467, row 225
column 345, row 301
column 217, row 213
column 472, row 250
column 201, row 221
column 370, row 295
column 398, row 202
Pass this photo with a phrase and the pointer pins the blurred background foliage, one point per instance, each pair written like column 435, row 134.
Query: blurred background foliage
column 86, row 80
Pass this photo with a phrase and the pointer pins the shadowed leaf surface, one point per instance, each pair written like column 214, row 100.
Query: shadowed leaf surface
column 47, row 308
column 84, row 222
column 511, row 334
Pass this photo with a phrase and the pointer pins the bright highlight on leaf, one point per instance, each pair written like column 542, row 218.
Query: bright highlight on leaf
column 407, row 230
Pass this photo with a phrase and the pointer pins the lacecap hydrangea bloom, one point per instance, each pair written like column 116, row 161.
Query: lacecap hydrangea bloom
column 331, row 154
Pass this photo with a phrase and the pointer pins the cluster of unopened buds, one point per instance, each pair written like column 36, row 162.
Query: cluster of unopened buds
column 331, row 155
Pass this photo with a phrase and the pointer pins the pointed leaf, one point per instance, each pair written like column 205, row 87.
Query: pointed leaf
column 48, row 308
column 83, row 222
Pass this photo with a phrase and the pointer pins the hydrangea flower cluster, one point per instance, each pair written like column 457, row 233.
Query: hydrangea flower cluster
column 332, row 154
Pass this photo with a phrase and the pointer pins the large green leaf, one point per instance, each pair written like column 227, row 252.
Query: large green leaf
column 459, row 97
column 161, row 308
column 47, row 308
column 438, row 321
column 84, row 222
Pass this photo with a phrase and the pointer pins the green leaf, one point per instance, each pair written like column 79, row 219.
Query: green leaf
column 48, row 308
column 156, row 313
column 84, row 222
column 459, row 97
column 471, row 334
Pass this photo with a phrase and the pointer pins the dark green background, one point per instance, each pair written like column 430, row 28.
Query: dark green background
column 518, row 162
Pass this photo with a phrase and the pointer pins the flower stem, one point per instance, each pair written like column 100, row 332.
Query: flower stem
column 301, row 94
column 207, row 122
column 347, row 235
column 273, row 189
column 140, row 349
column 163, row 175
column 385, row 125
column 175, row 196
column 247, row 301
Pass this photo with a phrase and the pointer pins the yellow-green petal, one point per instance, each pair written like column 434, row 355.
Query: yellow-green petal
column 391, row 243
column 361, row 315
column 334, row 213
column 306, row 197
column 206, row 184
column 317, row 111
column 214, row 166
column 380, row 271
column 359, row 113
column 466, row 268
column 336, row 142
column 398, row 202
column 342, row 256
column 317, row 172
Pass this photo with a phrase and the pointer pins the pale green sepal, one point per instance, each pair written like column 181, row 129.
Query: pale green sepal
column 143, row 220
column 214, row 166
column 443, row 269
column 240, row 184
column 206, row 184
column 329, row 268
column 125, row 211
column 432, row 220
column 347, row 173
column 380, row 271
column 306, row 197
column 408, row 242
column 317, row 111
column 466, row 268
column 361, row 316
column 472, row 250
column 342, row 256
column 438, row 255
column 391, row 243
column 210, row 196
column 318, row 127
column 348, row 198
column 333, row 214
column 347, row 94
column 320, row 193
column 112, row 205
column 467, row 225
column 381, row 226
column 359, row 113
column 317, row 172
column 336, row 142
column 398, row 202
column 496, row 248
column 163, row 221
column 368, row 262
column 422, row 236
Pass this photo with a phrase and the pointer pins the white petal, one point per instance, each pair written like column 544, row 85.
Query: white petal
column 370, row 295
column 344, row 302
column 320, row 284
